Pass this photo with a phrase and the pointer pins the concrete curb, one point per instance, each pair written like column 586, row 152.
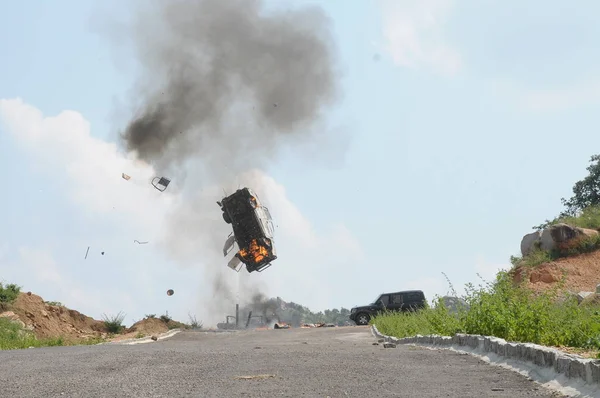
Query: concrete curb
column 145, row 340
column 582, row 371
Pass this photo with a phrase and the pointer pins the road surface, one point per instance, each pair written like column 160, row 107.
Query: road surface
column 322, row 362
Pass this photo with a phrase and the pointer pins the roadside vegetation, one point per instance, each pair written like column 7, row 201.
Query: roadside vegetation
column 505, row 310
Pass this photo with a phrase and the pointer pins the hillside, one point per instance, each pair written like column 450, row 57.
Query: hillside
column 26, row 319
column 581, row 273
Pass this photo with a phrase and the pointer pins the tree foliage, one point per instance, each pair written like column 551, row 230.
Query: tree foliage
column 586, row 194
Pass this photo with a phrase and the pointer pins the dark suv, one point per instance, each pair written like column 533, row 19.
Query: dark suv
column 406, row 300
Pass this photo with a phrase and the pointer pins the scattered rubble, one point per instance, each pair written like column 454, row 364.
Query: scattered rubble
column 160, row 183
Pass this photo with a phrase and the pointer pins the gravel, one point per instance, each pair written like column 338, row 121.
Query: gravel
column 322, row 362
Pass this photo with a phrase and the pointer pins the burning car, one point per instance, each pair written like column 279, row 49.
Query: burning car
column 252, row 231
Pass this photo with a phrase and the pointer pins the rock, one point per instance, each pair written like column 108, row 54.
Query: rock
column 375, row 343
column 558, row 234
column 582, row 295
column 389, row 345
column 598, row 288
column 380, row 340
column 529, row 241
column 545, row 275
column 13, row 318
column 591, row 300
column 154, row 338
column 453, row 304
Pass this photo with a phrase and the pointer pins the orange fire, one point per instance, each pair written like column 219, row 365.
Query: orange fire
column 256, row 251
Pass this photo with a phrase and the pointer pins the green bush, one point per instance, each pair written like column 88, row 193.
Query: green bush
column 166, row 318
column 504, row 310
column 114, row 324
column 9, row 293
column 13, row 336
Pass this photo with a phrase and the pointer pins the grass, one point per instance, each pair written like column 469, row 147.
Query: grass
column 588, row 218
column 504, row 310
column 13, row 336
column 114, row 324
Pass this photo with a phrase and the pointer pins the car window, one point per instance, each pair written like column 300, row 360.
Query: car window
column 414, row 296
column 396, row 299
column 385, row 300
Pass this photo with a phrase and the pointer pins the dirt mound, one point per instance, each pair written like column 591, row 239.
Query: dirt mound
column 48, row 321
column 582, row 273
column 149, row 326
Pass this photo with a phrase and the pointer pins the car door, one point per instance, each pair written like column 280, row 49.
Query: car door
column 396, row 302
column 383, row 303
column 413, row 301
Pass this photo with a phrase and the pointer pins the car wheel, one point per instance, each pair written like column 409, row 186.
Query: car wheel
column 362, row 319
column 226, row 218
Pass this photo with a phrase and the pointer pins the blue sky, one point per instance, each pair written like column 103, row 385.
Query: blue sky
column 461, row 126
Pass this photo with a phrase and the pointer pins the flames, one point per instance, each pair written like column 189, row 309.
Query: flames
column 255, row 251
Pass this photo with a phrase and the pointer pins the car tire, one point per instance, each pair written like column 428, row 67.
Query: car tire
column 362, row 319
column 226, row 218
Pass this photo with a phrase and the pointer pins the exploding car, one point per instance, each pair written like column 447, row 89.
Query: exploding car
column 252, row 231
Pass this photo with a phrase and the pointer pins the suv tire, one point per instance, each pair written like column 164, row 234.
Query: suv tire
column 362, row 319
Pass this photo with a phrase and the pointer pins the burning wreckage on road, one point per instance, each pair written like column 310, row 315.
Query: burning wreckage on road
column 252, row 231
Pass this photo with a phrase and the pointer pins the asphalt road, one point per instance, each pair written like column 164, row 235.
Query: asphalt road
column 334, row 362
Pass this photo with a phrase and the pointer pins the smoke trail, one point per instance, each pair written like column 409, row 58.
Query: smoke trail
column 227, row 81
column 223, row 85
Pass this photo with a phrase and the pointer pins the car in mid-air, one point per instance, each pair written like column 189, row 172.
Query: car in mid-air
column 402, row 301
column 252, row 231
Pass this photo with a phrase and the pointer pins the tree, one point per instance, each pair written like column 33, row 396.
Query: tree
column 586, row 192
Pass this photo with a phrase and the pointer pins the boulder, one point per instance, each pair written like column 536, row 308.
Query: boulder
column 582, row 295
column 529, row 241
column 558, row 234
column 453, row 304
column 13, row 317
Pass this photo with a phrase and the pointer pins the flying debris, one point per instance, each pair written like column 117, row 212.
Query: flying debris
column 160, row 183
column 140, row 243
column 170, row 292
column 86, row 252
column 102, row 253
column 252, row 231
column 125, row 176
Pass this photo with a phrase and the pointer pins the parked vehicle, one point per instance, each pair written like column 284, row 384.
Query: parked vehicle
column 403, row 301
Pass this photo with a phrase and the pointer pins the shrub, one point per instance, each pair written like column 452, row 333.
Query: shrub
column 150, row 316
column 114, row 324
column 9, row 293
column 166, row 318
column 194, row 324
column 504, row 310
